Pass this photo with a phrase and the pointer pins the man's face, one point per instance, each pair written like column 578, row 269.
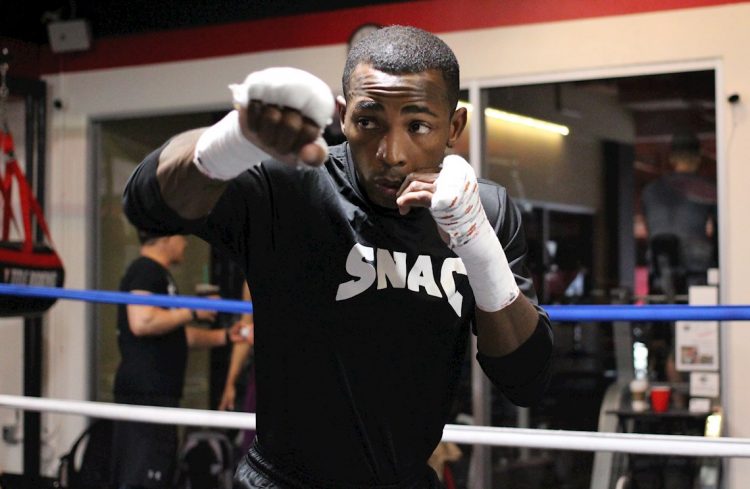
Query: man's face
column 397, row 125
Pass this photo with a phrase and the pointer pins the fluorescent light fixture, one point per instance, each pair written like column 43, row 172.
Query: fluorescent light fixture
column 520, row 119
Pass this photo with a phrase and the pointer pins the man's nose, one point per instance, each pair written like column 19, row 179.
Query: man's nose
column 392, row 149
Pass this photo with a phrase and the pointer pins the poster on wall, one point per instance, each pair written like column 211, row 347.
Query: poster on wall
column 697, row 345
column 697, row 342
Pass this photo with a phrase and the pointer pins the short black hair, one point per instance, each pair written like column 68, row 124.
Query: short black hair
column 685, row 142
column 399, row 49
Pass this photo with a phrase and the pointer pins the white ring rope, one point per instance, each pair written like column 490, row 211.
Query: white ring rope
column 130, row 412
column 689, row 446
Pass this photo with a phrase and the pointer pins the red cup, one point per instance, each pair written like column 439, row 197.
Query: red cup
column 660, row 398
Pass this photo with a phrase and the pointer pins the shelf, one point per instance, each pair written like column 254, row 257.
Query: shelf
column 672, row 413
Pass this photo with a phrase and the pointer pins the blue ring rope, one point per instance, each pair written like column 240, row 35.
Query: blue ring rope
column 578, row 313
column 110, row 297
column 677, row 312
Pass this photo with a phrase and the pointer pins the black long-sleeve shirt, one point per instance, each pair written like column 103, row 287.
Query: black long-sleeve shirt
column 362, row 315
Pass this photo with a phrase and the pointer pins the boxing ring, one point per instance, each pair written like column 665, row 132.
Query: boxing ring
column 589, row 441
column 679, row 445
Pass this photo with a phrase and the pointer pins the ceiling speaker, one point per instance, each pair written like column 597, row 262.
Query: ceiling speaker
column 69, row 35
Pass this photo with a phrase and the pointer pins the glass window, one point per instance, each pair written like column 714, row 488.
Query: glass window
column 578, row 159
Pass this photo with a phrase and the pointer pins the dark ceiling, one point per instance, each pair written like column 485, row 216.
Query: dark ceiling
column 26, row 20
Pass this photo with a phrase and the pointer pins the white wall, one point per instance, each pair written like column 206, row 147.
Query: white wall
column 553, row 50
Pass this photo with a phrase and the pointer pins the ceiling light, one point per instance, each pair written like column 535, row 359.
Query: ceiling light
column 520, row 119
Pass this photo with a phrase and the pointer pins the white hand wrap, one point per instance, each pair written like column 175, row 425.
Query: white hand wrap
column 457, row 209
column 288, row 87
column 223, row 152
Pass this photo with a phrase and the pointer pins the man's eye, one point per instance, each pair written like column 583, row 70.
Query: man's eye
column 366, row 123
column 419, row 128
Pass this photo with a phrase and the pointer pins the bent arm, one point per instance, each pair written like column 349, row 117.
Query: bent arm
column 524, row 374
column 515, row 343
column 502, row 332
column 483, row 227
column 205, row 338
column 154, row 321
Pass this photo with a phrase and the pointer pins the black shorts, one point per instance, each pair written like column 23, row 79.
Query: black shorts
column 256, row 472
column 144, row 454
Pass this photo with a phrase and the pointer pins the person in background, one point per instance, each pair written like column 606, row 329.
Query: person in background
column 241, row 353
column 680, row 214
column 153, row 343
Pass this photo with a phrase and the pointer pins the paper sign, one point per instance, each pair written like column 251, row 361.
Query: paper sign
column 697, row 342
column 704, row 384
column 699, row 405
column 697, row 345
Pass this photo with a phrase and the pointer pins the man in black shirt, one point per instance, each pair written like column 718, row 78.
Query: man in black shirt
column 153, row 344
column 680, row 212
column 370, row 263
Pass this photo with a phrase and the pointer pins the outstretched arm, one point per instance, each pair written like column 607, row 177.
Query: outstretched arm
column 180, row 180
column 280, row 113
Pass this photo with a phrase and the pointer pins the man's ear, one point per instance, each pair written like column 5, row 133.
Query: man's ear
column 457, row 125
column 341, row 107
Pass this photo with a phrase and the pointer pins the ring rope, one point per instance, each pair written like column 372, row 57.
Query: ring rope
column 567, row 313
column 550, row 439
column 689, row 446
column 111, row 297
column 652, row 312
column 131, row 412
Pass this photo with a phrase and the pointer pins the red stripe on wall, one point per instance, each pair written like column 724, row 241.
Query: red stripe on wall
column 334, row 27
column 24, row 58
